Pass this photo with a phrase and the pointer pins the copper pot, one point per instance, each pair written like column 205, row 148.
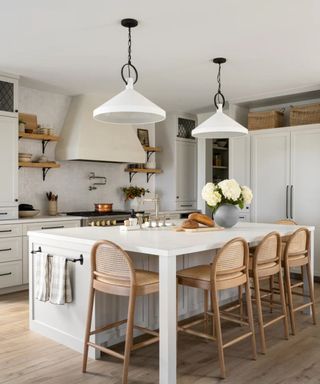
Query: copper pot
column 103, row 207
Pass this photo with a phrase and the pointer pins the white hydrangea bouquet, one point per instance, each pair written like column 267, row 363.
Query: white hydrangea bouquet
column 226, row 192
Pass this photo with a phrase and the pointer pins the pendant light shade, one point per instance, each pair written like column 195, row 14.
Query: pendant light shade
column 129, row 106
column 219, row 125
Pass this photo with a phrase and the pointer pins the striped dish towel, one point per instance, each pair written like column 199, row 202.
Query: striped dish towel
column 41, row 276
column 60, row 285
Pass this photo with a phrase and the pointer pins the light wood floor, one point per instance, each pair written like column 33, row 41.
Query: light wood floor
column 26, row 357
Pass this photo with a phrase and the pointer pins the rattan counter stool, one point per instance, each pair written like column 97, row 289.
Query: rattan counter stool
column 297, row 254
column 113, row 272
column 229, row 269
column 264, row 264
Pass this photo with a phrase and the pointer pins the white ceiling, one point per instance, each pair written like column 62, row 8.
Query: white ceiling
column 78, row 46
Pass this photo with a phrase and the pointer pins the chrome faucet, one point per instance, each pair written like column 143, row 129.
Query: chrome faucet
column 156, row 201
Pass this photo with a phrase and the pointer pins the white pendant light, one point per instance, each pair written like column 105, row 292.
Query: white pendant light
column 219, row 125
column 129, row 106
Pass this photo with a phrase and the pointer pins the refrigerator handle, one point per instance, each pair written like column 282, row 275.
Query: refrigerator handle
column 291, row 202
column 287, row 202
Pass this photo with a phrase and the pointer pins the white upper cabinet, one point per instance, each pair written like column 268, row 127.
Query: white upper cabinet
column 270, row 175
column 8, row 163
column 8, row 96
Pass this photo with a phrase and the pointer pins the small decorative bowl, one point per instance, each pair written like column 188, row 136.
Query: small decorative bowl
column 31, row 213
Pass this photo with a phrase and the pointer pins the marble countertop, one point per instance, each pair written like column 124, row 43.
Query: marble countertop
column 162, row 241
column 39, row 219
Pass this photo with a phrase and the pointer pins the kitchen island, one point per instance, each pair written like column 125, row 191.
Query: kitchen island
column 163, row 250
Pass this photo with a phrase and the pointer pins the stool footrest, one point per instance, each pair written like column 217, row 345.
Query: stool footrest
column 108, row 351
column 142, row 344
column 196, row 333
column 108, row 326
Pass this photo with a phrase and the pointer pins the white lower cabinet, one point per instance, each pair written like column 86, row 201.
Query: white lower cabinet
column 10, row 274
column 14, row 252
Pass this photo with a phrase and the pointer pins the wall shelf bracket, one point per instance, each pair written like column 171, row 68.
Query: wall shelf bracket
column 44, row 173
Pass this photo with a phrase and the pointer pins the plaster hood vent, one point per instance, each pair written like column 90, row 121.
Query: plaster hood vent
column 83, row 138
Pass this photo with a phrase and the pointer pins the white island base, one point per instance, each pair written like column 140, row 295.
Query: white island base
column 162, row 250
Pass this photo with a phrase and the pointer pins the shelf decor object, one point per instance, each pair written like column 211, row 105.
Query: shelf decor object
column 129, row 106
column 219, row 125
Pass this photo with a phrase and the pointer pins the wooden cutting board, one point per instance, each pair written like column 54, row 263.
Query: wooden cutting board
column 30, row 120
column 200, row 229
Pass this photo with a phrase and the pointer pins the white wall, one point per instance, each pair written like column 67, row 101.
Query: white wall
column 70, row 181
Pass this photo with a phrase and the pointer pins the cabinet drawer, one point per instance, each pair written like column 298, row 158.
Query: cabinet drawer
column 10, row 249
column 186, row 205
column 10, row 274
column 10, row 230
column 50, row 225
column 8, row 213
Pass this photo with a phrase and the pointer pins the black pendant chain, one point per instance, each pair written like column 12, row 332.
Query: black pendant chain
column 129, row 23
column 218, row 97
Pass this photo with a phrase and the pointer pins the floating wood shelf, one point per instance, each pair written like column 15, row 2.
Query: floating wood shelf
column 151, row 150
column 45, row 139
column 219, row 148
column 219, row 167
column 45, row 166
column 148, row 171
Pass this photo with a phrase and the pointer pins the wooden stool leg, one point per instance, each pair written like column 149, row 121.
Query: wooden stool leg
column 260, row 315
column 289, row 296
column 284, row 305
column 271, row 287
column 129, row 335
column 212, row 310
column 88, row 329
column 240, row 302
column 250, row 319
column 205, row 305
column 302, row 274
column 311, row 290
column 217, row 330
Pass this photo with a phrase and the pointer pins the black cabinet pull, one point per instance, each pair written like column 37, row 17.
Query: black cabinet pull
column 5, row 249
column 6, row 274
column 3, row 213
column 59, row 226
column 186, row 205
column 5, row 230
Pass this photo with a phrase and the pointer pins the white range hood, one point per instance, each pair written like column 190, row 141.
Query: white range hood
column 83, row 138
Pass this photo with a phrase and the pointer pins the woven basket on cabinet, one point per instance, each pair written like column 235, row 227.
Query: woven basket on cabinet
column 263, row 120
column 306, row 114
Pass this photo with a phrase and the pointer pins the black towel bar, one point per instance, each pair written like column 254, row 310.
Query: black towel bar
column 67, row 259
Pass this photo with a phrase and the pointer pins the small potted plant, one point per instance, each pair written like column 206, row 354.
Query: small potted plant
column 133, row 196
column 225, row 199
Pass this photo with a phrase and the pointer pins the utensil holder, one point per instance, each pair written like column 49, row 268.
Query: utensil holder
column 53, row 208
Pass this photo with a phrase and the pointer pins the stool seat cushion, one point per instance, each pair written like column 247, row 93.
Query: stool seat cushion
column 143, row 278
column 202, row 272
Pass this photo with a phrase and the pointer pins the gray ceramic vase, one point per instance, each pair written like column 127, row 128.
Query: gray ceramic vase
column 227, row 215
